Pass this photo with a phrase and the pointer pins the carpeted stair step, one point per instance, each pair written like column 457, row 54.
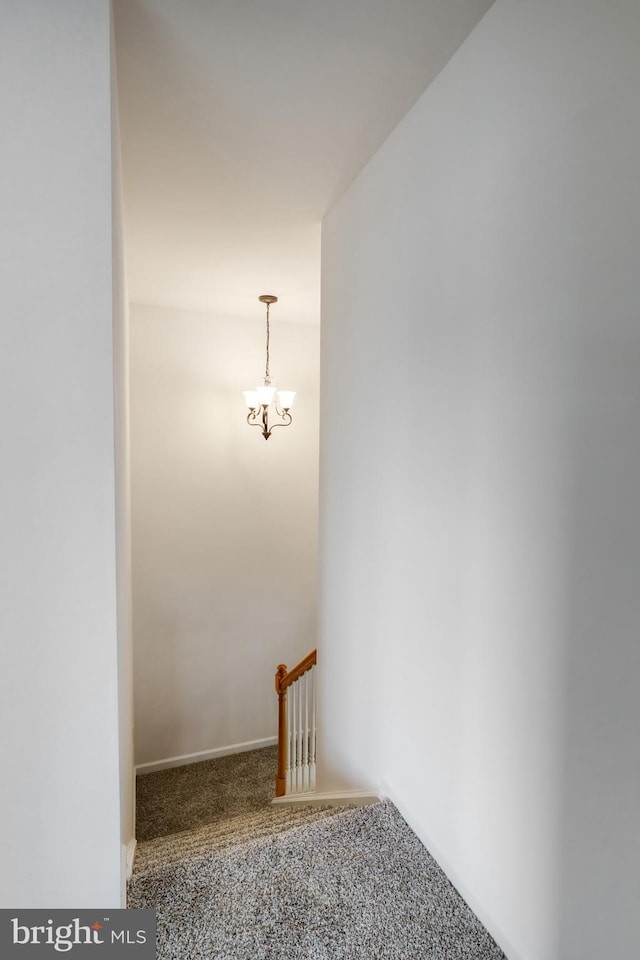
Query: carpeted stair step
column 214, row 856
column 223, row 834
column 197, row 794
column 356, row 884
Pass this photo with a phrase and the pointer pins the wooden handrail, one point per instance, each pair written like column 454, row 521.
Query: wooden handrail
column 284, row 679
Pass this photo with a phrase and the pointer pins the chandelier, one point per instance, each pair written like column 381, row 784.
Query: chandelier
column 261, row 403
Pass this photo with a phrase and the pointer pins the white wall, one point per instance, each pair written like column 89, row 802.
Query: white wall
column 480, row 531
column 224, row 527
column 123, row 492
column 59, row 789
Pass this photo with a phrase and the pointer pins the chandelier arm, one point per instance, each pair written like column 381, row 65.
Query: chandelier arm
column 285, row 412
column 288, row 419
column 266, row 433
column 262, row 423
column 252, row 420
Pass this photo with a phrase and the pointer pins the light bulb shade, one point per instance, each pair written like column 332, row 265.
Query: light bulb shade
column 251, row 399
column 286, row 398
column 265, row 395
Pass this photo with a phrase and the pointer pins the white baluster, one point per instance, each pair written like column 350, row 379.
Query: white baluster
column 312, row 744
column 305, row 742
column 299, row 772
column 294, row 750
column 299, row 747
column 300, row 767
column 294, row 772
column 289, row 744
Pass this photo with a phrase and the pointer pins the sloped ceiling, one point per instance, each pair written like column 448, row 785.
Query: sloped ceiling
column 242, row 121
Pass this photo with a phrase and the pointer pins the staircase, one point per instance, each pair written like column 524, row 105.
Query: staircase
column 201, row 880
column 291, row 884
column 189, row 846
column 234, row 877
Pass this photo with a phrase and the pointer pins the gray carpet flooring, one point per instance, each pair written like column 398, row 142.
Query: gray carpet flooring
column 189, row 797
column 233, row 878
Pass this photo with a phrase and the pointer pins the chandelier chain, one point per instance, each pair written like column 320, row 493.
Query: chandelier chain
column 267, row 377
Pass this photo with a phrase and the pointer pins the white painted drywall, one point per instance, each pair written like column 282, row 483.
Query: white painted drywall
column 480, row 529
column 59, row 789
column 123, row 492
column 224, row 527
column 242, row 121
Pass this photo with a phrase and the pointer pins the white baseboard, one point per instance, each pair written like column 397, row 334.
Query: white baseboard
column 468, row 895
column 131, row 852
column 205, row 755
column 127, row 853
column 355, row 798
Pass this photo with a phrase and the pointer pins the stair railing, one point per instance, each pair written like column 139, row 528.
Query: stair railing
column 296, row 691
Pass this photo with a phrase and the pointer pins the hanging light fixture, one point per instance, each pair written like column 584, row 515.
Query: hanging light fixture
column 260, row 400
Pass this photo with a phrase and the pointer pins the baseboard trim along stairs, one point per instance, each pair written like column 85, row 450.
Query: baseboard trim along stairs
column 130, row 856
column 344, row 798
column 187, row 758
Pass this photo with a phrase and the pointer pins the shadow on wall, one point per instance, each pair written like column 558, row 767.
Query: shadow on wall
column 598, row 855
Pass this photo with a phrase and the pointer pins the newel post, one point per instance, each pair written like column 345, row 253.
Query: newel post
column 281, row 775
